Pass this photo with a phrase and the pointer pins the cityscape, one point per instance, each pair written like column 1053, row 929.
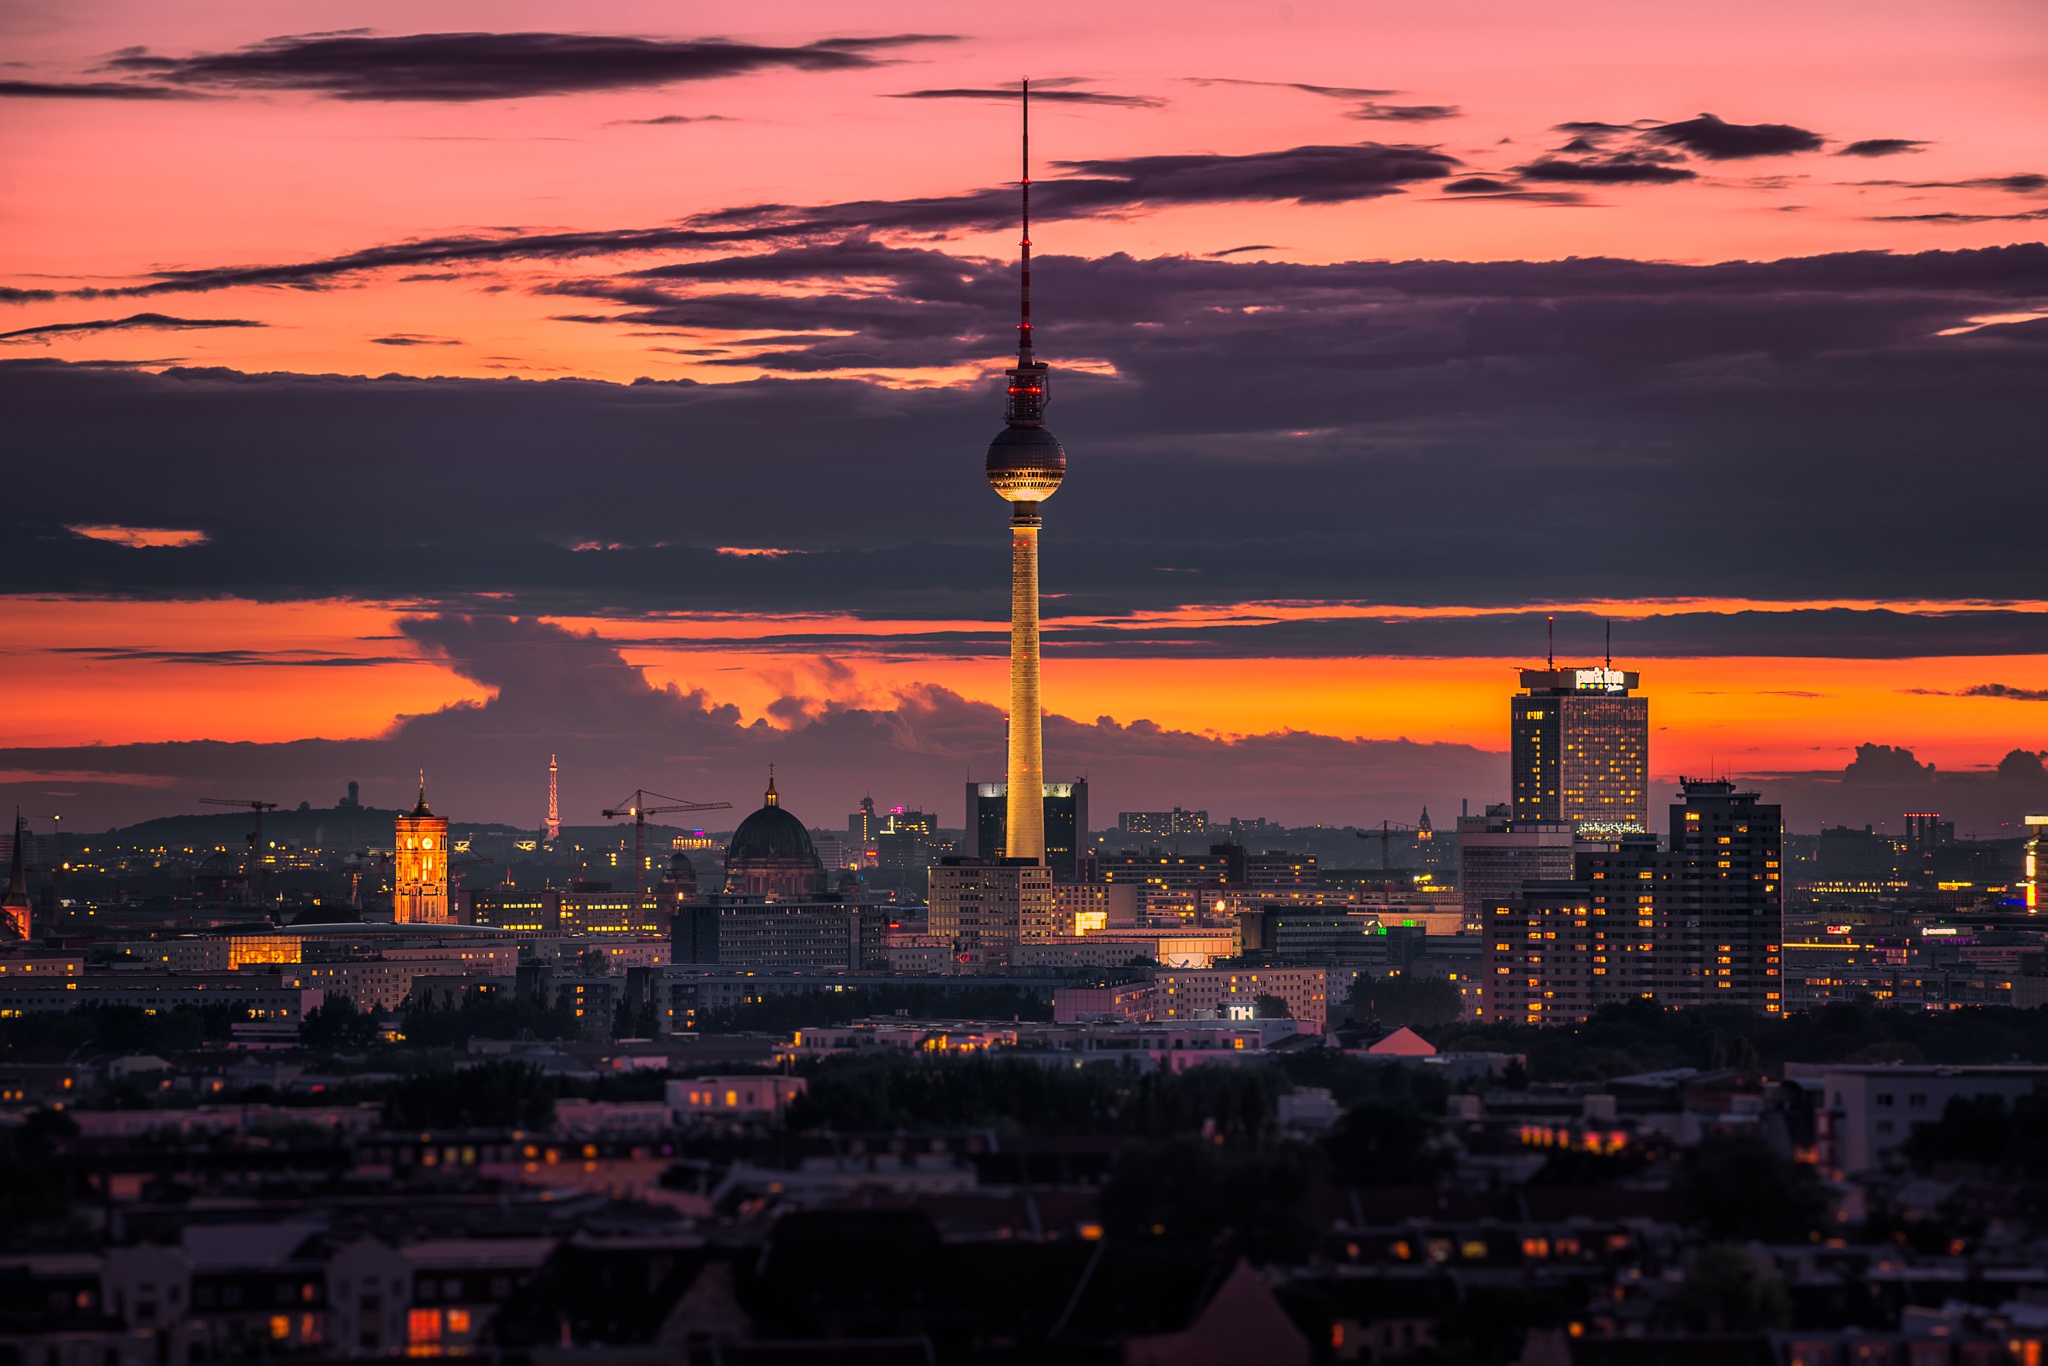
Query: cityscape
column 1501, row 912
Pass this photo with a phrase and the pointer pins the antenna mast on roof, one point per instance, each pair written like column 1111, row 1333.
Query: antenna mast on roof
column 1550, row 624
column 1610, row 645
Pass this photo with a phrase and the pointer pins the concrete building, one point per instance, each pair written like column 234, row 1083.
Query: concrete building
column 1162, row 825
column 1230, row 993
column 1541, row 952
column 1713, row 904
column 1497, row 853
column 1180, row 887
column 552, row 912
column 1084, row 907
column 264, row 995
column 227, row 953
column 1701, row 923
column 1169, row 946
column 747, row 1097
column 813, row 934
column 984, row 909
column 1865, row 1112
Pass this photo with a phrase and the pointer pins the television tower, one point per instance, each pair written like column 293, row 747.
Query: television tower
column 554, row 804
column 1025, row 466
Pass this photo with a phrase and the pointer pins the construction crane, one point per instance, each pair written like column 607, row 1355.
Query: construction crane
column 259, row 860
column 636, row 806
column 1385, row 835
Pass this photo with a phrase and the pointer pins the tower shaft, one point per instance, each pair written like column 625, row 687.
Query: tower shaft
column 1025, row 833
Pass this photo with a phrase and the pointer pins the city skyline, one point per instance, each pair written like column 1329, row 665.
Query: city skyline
column 1333, row 325
column 1501, row 819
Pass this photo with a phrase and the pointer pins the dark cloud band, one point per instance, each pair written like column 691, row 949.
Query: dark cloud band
column 157, row 322
column 457, row 67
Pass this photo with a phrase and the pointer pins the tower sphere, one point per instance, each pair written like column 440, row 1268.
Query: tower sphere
column 1026, row 464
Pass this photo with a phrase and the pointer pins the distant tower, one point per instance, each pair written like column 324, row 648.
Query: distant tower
column 422, row 858
column 1025, row 466
column 14, row 909
column 554, row 803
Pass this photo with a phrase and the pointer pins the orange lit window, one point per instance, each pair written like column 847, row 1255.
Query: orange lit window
column 423, row 1326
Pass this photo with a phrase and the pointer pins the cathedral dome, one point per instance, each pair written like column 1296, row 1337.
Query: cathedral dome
column 771, row 854
column 770, row 833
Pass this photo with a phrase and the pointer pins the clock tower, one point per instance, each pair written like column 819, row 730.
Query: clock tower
column 422, row 865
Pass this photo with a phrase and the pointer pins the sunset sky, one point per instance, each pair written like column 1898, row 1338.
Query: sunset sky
column 612, row 380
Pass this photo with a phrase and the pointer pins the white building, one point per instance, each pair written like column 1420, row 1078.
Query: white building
column 1866, row 1113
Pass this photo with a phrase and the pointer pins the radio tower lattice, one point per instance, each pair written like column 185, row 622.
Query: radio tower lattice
column 554, row 803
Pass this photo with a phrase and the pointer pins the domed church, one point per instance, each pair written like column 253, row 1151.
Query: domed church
column 771, row 855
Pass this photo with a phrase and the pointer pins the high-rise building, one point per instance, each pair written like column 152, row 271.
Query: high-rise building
column 1579, row 748
column 1926, row 832
column 1066, row 823
column 1700, row 923
column 2030, row 883
column 1025, row 465
column 420, row 855
column 831, row 850
column 1497, row 853
column 863, row 824
column 984, row 908
column 1719, row 922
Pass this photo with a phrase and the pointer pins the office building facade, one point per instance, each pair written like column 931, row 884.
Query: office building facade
column 983, row 908
column 1162, row 825
column 1066, row 823
column 1579, row 749
column 813, row 935
column 1497, row 853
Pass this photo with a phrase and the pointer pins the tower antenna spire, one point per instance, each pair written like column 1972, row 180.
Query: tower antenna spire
column 1610, row 644
column 1024, row 242
column 1550, row 624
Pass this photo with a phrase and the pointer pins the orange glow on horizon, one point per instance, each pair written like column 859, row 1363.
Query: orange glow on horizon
column 113, row 672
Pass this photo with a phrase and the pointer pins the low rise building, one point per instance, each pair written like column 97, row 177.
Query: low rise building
column 743, row 1097
column 815, row 933
column 1233, row 993
column 1865, row 1113
column 264, row 995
